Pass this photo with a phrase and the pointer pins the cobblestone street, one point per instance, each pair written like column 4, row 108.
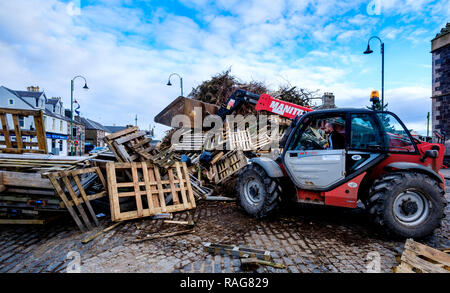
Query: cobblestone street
column 305, row 239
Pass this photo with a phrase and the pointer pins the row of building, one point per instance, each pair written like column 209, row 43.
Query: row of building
column 86, row 132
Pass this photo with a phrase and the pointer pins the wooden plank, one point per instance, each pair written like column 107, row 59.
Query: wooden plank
column 85, row 199
column 121, row 133
column 6, row 130
column 89, row 239
column 137, row 190
column 77, row 202
column 112, row 189
column 40, row 132
column 151, row 174
column 141, row 143
column 19, row 112
column 175, row 198
column 127, row 138
column 123, row 154
column 188, row 185
column 148, row 187
column 183, row 191
column 27, row 221
column 32, row 180
column 69, row 207
column 20, row 151
column 24, row 143
column 101, row 177
column 162, row 200
column 18, row 133
column 165, row 235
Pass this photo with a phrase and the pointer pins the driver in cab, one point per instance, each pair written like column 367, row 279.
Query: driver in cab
column 336, row 140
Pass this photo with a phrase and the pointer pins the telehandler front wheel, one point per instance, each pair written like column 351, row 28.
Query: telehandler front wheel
column 258, row 194
column 409, row 204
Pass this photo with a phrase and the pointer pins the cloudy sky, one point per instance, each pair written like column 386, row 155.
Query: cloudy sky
column 127, row 48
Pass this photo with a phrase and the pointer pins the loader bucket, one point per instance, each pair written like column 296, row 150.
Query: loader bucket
column 185, row 106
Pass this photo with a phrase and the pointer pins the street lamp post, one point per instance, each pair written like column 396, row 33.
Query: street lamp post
column 71, row 108
column 181, row 82
column 369, row 51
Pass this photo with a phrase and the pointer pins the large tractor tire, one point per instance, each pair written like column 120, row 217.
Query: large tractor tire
column 409, row 204
column 258, row 194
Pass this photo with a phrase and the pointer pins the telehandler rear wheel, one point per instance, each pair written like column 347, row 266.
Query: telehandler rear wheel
column 258, row 194
column 409, row 204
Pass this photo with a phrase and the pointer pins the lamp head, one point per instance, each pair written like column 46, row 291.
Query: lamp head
column 85, row 87
column 168, row 83
column 368, row 50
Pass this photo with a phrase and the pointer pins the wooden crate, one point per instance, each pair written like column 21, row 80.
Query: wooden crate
column 69, row 182
column 129, row 145
column 228, row 165
column 420, row 258
column 20, row 145
column 149, row 190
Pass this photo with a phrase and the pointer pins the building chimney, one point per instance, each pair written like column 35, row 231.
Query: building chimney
column 328, row 101
column 33, row 89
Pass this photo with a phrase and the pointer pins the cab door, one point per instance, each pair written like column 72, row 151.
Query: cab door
column 310, row 159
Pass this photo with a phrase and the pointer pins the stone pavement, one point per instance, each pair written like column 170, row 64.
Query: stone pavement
column 305, row 239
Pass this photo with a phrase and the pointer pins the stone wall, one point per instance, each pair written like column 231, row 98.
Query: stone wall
column 95, row 137
column 441, row 85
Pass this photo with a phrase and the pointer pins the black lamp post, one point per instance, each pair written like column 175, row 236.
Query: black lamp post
column 71, row 108
column 369, row 51
column 181, row 81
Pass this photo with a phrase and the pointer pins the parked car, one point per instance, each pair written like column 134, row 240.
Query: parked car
column 98, row 149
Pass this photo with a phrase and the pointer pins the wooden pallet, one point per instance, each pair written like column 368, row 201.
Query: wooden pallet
column 228, row 165
column 164, row 159
column 149, row 190
column 129, row 145
column 70, row 182
column 21, row 145
column 419, row 258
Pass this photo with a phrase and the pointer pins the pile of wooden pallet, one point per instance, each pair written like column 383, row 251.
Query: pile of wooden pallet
column 29, row 177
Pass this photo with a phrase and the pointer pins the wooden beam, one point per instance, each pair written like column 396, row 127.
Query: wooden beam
column 6, row 131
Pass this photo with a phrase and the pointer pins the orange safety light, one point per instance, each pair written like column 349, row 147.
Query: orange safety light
column 375, row 96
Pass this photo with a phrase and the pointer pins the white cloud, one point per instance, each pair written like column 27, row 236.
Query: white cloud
column 127, row 54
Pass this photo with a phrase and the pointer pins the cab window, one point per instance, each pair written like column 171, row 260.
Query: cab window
column 396, row 135
column 365, row 134
column 320, row 133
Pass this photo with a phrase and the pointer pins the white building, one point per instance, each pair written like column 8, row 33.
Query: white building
column 55, row 123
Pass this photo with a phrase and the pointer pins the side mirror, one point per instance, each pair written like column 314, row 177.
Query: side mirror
column 429, row 154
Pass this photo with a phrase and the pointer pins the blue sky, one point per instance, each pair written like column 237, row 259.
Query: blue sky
column 126, row 49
